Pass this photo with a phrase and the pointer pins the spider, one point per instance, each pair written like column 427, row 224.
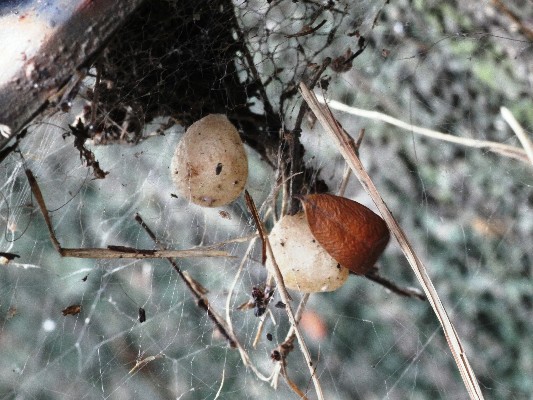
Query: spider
column 261, row 299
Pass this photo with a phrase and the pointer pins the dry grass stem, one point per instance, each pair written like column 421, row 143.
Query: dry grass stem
column 128, row 252
column 236, row 279
column 332, row 127
column 495, row 147
column 285, row 297
column 519, row 132
column 290, row 334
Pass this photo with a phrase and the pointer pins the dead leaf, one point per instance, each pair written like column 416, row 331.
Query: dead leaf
column 350, row 232
column 72, row 310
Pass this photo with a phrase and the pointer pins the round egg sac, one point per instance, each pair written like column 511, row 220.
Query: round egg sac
column 302, row 261
column 210, row 166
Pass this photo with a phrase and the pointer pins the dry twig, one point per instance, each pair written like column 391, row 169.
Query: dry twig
column 284, row 294
column 331, row 126
column 519, row 132
column 495, row 147
column 288, row 338
column 113, row 251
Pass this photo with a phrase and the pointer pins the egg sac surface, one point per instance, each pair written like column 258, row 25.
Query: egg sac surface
column 210, row 166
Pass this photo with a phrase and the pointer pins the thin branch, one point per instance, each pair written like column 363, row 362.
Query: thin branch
column 128, row 252
column 307, row 30
column 226, row 330
column 113, row 252
column 331, row 126
column 289, row 337
column 284, row 295
column 374, row 275
column 36, row 190
column 519, row 132
column 495, row 147
column 201, row 300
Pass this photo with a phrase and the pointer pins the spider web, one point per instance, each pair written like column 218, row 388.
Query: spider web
column 448, row 67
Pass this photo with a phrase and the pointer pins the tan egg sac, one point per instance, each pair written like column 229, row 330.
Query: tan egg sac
column 351, row 233
column 210, row 166
column 304, row 264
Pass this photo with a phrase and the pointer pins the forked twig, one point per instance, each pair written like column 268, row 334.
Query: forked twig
column 112, row 251
column 331, row 126
column 519, row 132
column 126, row 252
column 284, row 294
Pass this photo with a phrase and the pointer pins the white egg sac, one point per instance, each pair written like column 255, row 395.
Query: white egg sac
column 210, row 166
column 303, row 262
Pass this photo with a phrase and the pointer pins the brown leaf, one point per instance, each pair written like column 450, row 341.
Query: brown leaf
column 351, row 233
column 72, row 310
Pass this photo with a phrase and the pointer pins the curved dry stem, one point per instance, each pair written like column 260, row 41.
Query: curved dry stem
column 495, row 147
column 519, row 132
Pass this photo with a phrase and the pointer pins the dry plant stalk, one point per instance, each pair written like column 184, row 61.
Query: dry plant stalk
column 113, row 251
column 519, row 132
column 495, row 147
column 290, row 334
column 284, row 294
column 342, row 140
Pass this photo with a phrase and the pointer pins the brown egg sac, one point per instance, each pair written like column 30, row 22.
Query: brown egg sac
column 210, row 166
column 350, row 232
